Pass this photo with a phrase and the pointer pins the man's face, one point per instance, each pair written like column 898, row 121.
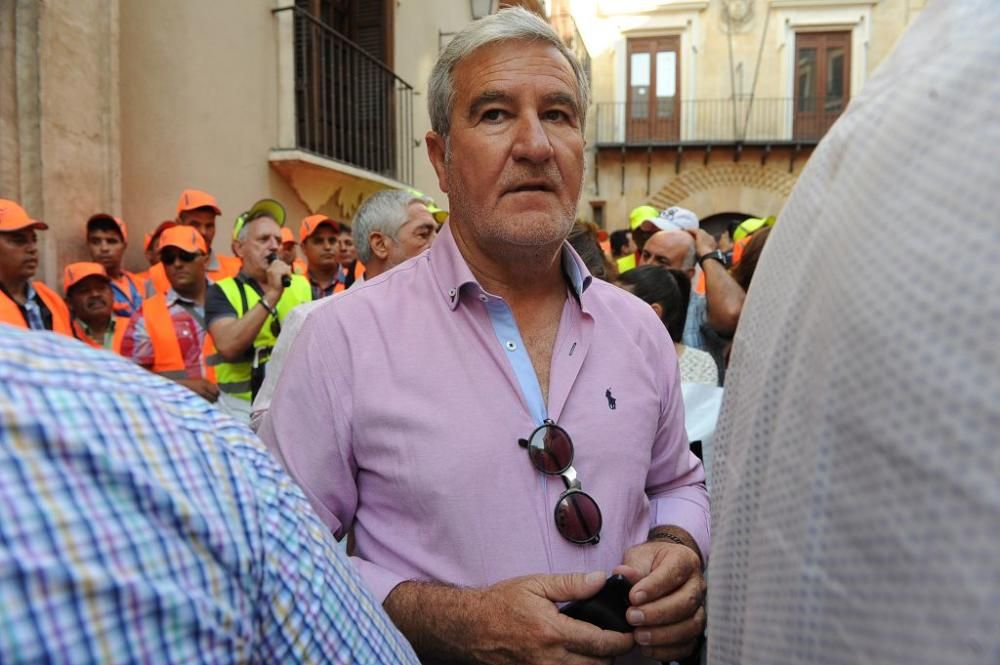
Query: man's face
column 203, row 220
column 287, row 252
column 106, row 248
column 413, row 237
column 91, row 299
column 18, row 254
column 263, row 237
column 642, row 233
column 629, row 247
column 321, row 249
column 513, row 163
column 345, row 246
column 185, row 270
column 668, row 249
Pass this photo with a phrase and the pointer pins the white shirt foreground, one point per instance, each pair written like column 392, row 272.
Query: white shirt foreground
column 856, row 480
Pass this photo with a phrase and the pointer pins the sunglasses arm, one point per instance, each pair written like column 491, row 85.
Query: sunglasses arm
column 570, row 479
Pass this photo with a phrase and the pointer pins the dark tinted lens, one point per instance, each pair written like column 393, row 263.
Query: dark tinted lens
column 578, row 518
column 551, row 449
column 169, row 256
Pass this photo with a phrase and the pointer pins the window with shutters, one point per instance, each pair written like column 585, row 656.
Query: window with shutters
column 347, row 95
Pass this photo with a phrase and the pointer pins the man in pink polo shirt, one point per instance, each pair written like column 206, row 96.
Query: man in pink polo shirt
column 499, row 431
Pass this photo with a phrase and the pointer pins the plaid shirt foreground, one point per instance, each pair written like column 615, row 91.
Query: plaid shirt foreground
column 141, row 525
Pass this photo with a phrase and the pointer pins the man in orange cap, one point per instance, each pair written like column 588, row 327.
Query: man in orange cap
column 151, row 250
column 168, row 335
column 199, row 209
column 107, row 238
column 91, row 300
column 23, row 302
column 319, row 235
column 287, row 252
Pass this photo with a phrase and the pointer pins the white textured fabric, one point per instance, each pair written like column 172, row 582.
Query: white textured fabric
column 856, row 493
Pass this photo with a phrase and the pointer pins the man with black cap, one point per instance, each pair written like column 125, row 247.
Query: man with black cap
column 107, row 238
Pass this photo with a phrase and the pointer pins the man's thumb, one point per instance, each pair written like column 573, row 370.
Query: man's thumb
column 572, row 586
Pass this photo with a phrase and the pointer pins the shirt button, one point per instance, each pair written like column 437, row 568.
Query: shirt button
column 482, row 296
column 452, row 293
column 511, row 345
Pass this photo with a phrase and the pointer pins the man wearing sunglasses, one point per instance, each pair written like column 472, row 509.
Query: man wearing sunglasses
column 525, row 438
column 168, row 335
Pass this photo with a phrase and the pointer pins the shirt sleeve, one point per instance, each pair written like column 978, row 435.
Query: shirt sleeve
column 217, row 305
column 676, row 481
column 136, row 344
column 313, row 606
column 308, row 428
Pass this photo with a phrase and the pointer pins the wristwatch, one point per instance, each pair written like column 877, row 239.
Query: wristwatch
column 715, row 254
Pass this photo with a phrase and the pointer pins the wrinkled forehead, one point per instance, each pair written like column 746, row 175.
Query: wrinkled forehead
column 494, row 64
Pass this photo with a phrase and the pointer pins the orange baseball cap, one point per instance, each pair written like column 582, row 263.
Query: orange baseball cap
column 184, row 238
column 312, row 222
column 150, row 237
column 192, row 199
column 103, row 215
column 77, row 272
column 287, row 236
column 14, row 218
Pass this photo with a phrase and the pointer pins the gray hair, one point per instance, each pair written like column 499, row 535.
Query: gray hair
column 510, row 24
column 385, row 212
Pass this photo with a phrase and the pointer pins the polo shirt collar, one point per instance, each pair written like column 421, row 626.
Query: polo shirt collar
column 452, row 273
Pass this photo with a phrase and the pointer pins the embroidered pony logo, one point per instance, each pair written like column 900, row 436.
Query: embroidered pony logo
column 612, row 402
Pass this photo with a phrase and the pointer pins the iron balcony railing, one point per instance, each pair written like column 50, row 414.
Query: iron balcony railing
column 668, row 121
column 349, row 106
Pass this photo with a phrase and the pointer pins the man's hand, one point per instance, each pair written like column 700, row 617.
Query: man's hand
column 666, row 599
column 203, row 387
column 273, row 287
column 703, row 241
column 514, row 621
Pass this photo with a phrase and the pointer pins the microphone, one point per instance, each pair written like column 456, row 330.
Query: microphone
column 286, row 280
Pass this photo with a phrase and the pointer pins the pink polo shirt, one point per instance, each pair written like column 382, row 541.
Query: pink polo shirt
column 399, row 412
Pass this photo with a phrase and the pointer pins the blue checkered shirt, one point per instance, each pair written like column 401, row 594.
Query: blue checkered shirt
column 141, row 525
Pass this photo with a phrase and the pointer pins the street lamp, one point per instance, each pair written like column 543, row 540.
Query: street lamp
column 481, row 8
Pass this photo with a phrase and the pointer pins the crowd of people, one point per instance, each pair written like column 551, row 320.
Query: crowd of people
column 498, row 411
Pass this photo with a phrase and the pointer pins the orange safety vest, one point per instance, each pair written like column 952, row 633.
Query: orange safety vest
column 359, row 270
column 11, row 313
column 167, row 358
column 121, row 325
column 229, row 266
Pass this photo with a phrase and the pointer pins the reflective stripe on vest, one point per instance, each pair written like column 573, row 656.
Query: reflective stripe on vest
column 11, row 313
column 168, row 360
column 234, row 377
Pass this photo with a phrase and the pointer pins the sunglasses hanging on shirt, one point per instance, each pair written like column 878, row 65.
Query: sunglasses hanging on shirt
column 577, row 515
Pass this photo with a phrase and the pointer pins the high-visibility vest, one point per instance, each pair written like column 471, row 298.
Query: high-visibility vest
column 234, row 377
column 625, row 263
column 168, row 361
column 120, row 325
column 359, row 270
column 11, row 313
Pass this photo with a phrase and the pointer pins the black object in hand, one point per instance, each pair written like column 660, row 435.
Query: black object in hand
column 606, row 609
column 286, row 280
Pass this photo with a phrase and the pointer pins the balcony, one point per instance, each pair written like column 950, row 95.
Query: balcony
column 672, row 123
column 348, row 106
